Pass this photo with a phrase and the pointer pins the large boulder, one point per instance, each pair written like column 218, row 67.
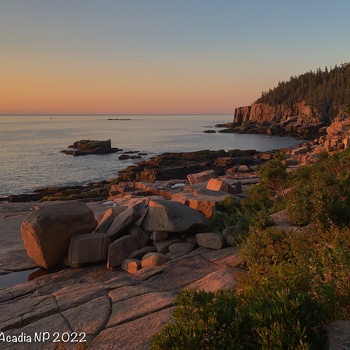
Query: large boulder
column 47, row 231
column 171, row 216
column 88, row 248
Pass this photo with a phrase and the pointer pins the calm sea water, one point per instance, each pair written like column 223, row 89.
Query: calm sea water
column 30, row 145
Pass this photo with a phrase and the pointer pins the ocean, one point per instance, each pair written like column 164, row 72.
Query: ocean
column 30, row 145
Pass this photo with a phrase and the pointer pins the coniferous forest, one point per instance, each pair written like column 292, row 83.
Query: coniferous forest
column 328, row 88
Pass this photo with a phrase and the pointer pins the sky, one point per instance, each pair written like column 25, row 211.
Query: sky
column 160, row 56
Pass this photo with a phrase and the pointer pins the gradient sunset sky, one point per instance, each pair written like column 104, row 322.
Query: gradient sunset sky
column 160, row 56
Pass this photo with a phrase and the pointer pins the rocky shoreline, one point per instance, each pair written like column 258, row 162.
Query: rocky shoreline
column 299, row 121
column 107, row 305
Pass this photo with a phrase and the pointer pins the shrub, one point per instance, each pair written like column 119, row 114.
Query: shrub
column 274, row 173
column 315, row 263
column 203, row 321
column 219, row 221
column 321, row 193
column 285, row 318
column 259, row 318
column 229, row 214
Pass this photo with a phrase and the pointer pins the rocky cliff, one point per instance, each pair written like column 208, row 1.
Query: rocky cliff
column 300, row 120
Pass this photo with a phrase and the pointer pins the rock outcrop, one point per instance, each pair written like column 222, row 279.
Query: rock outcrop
column 168, row 166
column 299, row 120
column 85, row 147
column 133, row 226
column 115, row 310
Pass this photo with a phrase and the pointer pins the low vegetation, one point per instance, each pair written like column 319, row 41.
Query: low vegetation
column 296, row 281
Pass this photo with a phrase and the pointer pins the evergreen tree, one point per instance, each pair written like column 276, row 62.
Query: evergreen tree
column 328, row 88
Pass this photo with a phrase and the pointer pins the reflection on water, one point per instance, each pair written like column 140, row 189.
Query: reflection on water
column 38, row 273
column 14, row 278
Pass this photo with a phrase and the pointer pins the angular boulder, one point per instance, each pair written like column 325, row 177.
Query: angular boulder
column 107, row 219
column 201, row 199
column 88, row 248
column 170, row 216
column 120, row 250
column 126, row 219
column 47, row 231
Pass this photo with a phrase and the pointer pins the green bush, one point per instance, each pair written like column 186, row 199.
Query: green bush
column 266, row 317
column 321, row 193
column 219, row 221
column 317, row 194
column 262, row 196
column 313, row 262
column 274, row 173
column 229, row 214
column 285, row 318
column 204, row 321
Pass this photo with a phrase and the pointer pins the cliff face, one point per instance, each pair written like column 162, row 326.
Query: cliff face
column 260, row 113
column 298, row 120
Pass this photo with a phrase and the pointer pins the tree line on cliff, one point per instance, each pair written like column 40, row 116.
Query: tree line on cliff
column 329, row 88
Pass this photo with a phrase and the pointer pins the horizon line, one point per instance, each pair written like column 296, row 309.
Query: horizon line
column 106, row 114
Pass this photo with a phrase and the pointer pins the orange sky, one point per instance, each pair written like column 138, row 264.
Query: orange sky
column 193, row 56
column 41, row 87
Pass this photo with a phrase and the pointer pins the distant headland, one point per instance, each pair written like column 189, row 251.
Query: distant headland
column 301, row 107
